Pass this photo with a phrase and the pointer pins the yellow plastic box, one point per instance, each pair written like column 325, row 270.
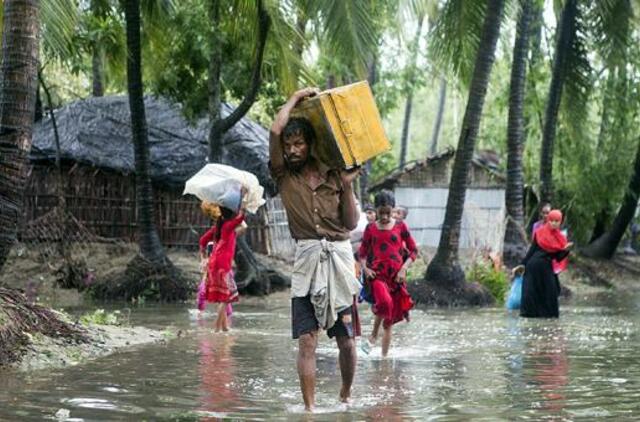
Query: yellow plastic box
column 347, row 124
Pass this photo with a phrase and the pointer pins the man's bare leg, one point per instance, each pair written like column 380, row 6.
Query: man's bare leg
column 376, row 329
column 386, row 340
column 347, row 357
column 306, row 364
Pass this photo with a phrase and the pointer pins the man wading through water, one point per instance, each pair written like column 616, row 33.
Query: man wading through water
column 321, row 209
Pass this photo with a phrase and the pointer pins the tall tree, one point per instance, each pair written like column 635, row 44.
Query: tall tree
column 515, row 241
column 150, row 245
column 565, row 38
column 98, row 11
column 411, row 78
column 220, row 125
column 372, row 78
column 605, row 246
column 435, row 134
column 18, row 83
column 445, row 268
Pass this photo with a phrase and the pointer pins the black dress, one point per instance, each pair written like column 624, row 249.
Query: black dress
column 540, row 287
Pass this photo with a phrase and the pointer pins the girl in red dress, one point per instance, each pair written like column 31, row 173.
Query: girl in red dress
column 220, row 286
column 385, row 240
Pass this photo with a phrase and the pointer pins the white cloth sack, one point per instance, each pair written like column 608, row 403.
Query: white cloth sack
column 221, row 184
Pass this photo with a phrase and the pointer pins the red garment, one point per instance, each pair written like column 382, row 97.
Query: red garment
column 552, row 240
column 220, row 284
column 549, row 239
column 209, row 236
column 385, row 247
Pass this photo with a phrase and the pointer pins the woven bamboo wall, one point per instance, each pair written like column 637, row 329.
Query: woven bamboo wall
column 104, row 201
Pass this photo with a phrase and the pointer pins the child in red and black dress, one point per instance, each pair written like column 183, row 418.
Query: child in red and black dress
column 384, row 240
column 220, row 286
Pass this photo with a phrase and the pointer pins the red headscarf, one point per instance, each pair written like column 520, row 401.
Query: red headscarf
column 549, row 239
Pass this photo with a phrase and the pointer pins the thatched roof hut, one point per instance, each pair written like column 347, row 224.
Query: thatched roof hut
column 98, row 165
column 97, row 132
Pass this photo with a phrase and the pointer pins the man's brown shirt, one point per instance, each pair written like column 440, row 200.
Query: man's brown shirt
column 312, row 214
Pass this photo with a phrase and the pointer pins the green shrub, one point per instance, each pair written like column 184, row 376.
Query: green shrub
column 102, row 317
column 494, row 280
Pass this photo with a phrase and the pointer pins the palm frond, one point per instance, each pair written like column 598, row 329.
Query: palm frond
column 578, row 76
column 347, row 30
column 455, row 36
column 156, row 12
column 283, row 38
column 610, row 28
column 59, row 23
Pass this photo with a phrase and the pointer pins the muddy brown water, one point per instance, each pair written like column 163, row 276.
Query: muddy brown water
column 446, row 365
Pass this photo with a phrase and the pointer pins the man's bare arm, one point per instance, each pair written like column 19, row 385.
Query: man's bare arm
column 349, row 212
column 281, row 120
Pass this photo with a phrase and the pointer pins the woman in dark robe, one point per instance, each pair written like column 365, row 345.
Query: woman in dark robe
column 540, row 287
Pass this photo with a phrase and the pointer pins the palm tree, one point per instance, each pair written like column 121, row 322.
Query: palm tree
column 220, row 125
column 148, row 238
column 565, row 38
column 515, row 237
column 605, row 246
column 18, row 83
column 99, row 10
column 442, row 96
column 445, row 269
column 404, row 137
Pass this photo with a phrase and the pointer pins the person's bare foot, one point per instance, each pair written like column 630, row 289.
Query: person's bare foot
column 345, row 395
column 372, row 339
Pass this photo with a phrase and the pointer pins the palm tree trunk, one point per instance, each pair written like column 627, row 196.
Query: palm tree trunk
column 404, row 138
column 148, row 238
column 372, row 78
column 515, row 239
column 445, row 269
column 97, row 70
column 605, row 246
column 442, row 97
column 39, row 112
column 97, row 65
column 18, row 83
column 567, row 29
column 219, row 125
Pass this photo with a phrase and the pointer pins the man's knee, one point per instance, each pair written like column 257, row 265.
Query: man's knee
column 346, row 344
column 307, row 344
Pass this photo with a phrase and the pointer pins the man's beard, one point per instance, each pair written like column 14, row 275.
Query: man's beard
column 296, row 166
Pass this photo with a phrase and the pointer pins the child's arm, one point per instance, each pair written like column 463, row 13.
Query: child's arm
column 363, row 253
column 206, row 238
column 412, row 248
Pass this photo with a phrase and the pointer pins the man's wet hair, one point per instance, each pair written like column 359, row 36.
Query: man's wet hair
column 299, row 126
column 385, row 198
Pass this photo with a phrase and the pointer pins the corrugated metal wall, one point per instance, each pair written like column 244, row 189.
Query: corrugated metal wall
column 482, row 221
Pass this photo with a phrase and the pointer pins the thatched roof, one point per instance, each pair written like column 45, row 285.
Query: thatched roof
column 485, row 160
column 97, row 132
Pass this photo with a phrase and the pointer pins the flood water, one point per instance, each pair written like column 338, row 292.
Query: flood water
column 446, row 365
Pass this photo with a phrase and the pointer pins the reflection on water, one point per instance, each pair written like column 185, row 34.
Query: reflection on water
column 451, row 365
column 217, row 373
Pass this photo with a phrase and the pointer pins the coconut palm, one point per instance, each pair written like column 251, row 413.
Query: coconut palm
column 435, row 134
column 445, row 269
column 514, row 239
column 566, row 37
column 220, row 125
column 148, row 238
column 18, row 82
column 404, row 137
